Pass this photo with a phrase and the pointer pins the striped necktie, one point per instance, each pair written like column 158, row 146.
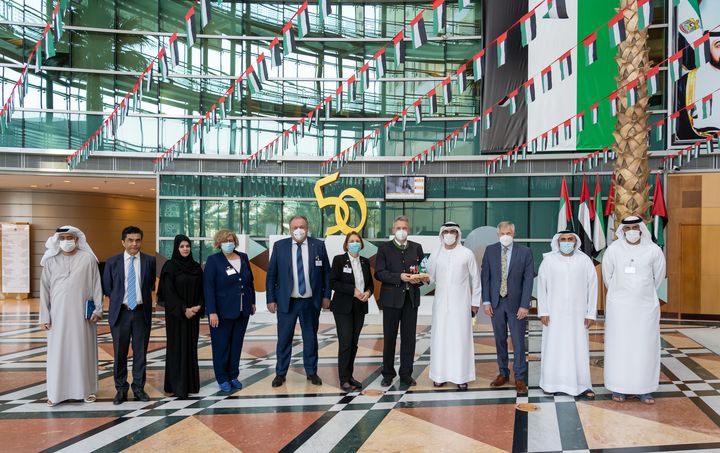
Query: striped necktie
column 131, row 290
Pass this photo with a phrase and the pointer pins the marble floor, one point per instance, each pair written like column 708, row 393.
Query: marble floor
column 302, row 417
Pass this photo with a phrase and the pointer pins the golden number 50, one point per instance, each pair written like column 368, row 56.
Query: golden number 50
column 342, row 210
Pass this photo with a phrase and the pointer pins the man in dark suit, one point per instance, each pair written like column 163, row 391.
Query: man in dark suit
column 298, row 286
column 507, row 281
column 397, row 265
column 128, row 280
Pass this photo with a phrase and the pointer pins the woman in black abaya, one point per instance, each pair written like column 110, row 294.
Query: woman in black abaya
column 181, row 292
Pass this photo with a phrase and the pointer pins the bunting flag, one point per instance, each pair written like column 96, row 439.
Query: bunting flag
column 673, row 119
column 275, row 53
column 500, row 43
column 404, row 119
column 380, row 65
column 659, row 126
column 528, row 28
column 262, row 68
column 564, row 210
column 585, row 231
column 512, row 104
column 462, row 4
column 57, row 24
column 418, row 111
column 205, row 16
column 399, row 44
column 674, row 66
column 289, row 46
column 659, row 213
column 556, row 9
column 580, row 121
column 439, row 16
column 461, row 78
column 478, row 62
column 325, row 9
column 49, row 46
column 529, row 90
column 544, row 141
column 352, row 88
column 616, row 28
column 565, row 65
column 38, row 59
column 709, row 144
column 365, row 77
column 487, row 118
column 555, row 136
column 594, row 112
column 546, row 75
column 590, row 45
column 567, row 129
column 433, row 101
column 254, row 84
column 417, row 25
column 447, row 90
column 706, row 105
column 702, row 50
column 652, row 80
column 303, row 20
column 598, row 237
column 163, row 62
column 631, row 92
column 190, row 27
column 644, row 14
column 613, row 102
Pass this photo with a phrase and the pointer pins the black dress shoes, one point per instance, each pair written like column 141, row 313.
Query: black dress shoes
column 120, row 397
column 386, row 382
column 409, row 381
column 347, row 387
column 314, row 379
column 140, row 395
column 356, row 384
column 278, row 381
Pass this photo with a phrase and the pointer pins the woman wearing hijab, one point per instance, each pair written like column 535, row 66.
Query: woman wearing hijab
column 181, row 292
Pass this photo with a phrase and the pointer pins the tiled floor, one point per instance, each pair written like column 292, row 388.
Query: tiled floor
column 302, row 417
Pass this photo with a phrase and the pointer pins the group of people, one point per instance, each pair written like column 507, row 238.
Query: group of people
column 301, row 282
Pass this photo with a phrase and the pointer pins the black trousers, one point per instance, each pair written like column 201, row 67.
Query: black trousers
column 406, row 319
column 349, row 326
column 130, row 327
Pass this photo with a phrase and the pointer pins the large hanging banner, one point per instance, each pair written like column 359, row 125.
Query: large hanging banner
column 696, row 26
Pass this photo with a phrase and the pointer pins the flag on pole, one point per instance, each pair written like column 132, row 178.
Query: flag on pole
column 380, row 65
column 652, row 79
column 447, row 90
column 616, row 28
column 546, row 75
column 659, row 213
column 303, row 20
column 590, row 45
column 702, row 50
column 580, row 123
column 706, row 106
column 529, row 90
column 190, row 27
column 644, row 14
column 613, row 98
column 610, row 214
column 528, row 28
column 598, row 239
column 399, row 44
column 205, row 15
column 585, row 232
column 461, row 78
column 631, row 92
column 564, row 211
column 325, row 10
column 674, row 66
column 439, row 16
column 419, row 35
column 289, row 46
column 500, row 42
column 478, row 63
column 565, row 65
column 556, row 9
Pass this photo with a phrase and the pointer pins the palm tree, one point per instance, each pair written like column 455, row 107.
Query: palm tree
column 631, row 133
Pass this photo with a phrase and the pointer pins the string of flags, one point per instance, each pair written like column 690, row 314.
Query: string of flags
column 685, row 155
column 167, row 56
column 255, row 75
column 51, row 34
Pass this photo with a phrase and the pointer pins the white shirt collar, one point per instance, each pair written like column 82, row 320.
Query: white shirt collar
column 127, row 255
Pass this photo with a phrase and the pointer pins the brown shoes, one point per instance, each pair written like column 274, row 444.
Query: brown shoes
column 521, row 387
column 499, row 381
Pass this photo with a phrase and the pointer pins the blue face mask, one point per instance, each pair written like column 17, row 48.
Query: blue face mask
column 354, row 247
column 567, row 247
column 227, row 247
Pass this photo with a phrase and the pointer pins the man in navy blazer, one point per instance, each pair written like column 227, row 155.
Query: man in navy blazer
column 128, row 280
column 507, row 282
column 298, row 285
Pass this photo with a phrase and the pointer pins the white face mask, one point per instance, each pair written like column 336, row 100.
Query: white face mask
column 299, row 234
column 401, row 235
column 67, row 246
column 506, row 240
column 449, row 239
column 632, row 236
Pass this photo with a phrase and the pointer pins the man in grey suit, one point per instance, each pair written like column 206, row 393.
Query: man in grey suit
column 507, row 281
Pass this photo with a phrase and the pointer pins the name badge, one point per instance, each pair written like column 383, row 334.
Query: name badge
column 630, row 270
column 230, row 271
column 318, row 262
column 347, row 270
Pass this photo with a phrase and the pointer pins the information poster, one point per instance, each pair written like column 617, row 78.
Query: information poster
column 15, row 258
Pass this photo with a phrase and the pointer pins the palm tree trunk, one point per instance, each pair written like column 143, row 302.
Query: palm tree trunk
column 631, row 133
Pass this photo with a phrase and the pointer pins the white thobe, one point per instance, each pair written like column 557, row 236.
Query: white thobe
column 66, row 283
column 457, row 289
column 632, row 274
column 567, row 293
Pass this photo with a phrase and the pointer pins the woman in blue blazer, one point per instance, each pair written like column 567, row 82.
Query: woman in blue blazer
column 229, row 302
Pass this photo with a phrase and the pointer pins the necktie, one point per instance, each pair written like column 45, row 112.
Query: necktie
column 131, row 290
column 503, row 279
column 300, row 271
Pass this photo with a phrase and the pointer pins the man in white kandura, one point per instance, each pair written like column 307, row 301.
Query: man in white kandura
column 567, row 305
column 458, row 297
column 633, row 269
column 70, row 277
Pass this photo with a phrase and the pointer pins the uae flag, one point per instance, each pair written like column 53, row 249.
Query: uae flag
column 462, row 4
column 512, row 102
column 613, row 98
column 659, row 126
column 418, row 111
column 365, row 77
column 631, row 92
column 702, row 50
column 49, row 46
column 556, row 9
column 439, row 16
column 262, row 68
column 610, row 214
column 644, row 14
column 500, row 43
column 352, row 88
column 585, row 231
column 478, row 63
column 528, row 28
column 325, row 9
column 652, row 79
column 303, row 20
column 529, row 90
column 399, row 44
column 57, row 24
column 205, row 16
column 659, row 213
column 594, row 112
column 616, row 28
column 275, row 53
column 598, row 237
column 674, row 66
column 706, row 106
column 565, row 65
column 419, row 35
column 590, row 44
column 380, row 65
column 555, row 136
column 432, row 97
column 580, row 123
column 564, row 210
column 190, row 27
column 546, row 75
column 447, row 90
column 487, row 118
column 289, row 46
column 254, row 82
column 567, row 129
column 462, row 78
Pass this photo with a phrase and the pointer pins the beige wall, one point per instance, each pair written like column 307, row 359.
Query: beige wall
column 101, row 217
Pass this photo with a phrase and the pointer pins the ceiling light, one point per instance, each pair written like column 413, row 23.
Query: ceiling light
column 152, row 189
column 132, row 183
column 66, row 180
column 33, row 185
column 96, row 188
